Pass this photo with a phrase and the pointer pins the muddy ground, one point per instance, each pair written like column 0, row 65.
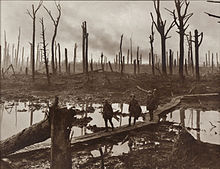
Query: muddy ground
column 175, row 147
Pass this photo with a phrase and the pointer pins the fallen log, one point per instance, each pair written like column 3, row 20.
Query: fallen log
column 36, row 133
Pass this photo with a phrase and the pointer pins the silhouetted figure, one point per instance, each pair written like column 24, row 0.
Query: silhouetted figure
column 107, row 114
column 152, row 103
column 134, row 109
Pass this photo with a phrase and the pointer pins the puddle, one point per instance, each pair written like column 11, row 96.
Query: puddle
column 16, row 116
column 202, row 125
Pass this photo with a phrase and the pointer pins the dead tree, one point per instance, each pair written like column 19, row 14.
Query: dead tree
column 212, row 62
column 66, row 60
column 74, row 59
column 22, row 58
column 186, row 70
column 59, row 57
column 128, row 57
column 131, row 50
column 110, row 66
column 135, row 67
column 171, row 61
column 102, row 64
column 33, row 16
column 160, row 26
column 84, row 47
column 45, row 50
column 213, row 15
column 138, row 61
column 152, row 48
column 197, row 44
column 120, row 54
column 18, row 46
column 0, row 65
column 55, row 23
column 181, row 20
column 189, row 40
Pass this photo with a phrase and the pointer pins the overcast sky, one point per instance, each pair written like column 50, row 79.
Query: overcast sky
column 106, row 22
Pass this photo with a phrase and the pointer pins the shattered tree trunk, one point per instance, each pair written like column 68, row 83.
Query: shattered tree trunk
column 102, row 64
column 134, row 67
column 110, row 66
column 59, row 57
column 66, row 60
column 197, row 44
column 0, row 65
column 91, row 65
column 60, row 142
column 26, row 137
column 45, row 51
column 212, row 62
column 186, row 70
column 171, row 61
column 74, row 59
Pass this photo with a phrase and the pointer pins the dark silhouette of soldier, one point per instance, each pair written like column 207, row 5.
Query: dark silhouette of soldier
column 134, row 109
column 152, row 103
column 107, row 114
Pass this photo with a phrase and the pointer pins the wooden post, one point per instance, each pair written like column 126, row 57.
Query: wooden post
column 66, row 60
column 217, row 59
column 138, row 66
column 110, row 66
column 60, row 120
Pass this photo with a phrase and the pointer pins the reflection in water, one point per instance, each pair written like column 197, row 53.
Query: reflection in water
column 202, row 125
column 15, row 116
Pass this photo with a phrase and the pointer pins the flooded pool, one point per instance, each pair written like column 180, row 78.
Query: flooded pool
column 202, row 125
column 16, row 116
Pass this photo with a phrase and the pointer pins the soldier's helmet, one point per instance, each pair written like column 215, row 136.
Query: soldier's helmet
column 132, row 96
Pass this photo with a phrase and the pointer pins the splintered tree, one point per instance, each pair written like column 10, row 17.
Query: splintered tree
column 56, row 23
column 189, row 40
column 33, row 16
column 74, row 58
column 45, row 50
column 120, row 54
column 160, row 26
column 152, row 48
column 85, row 35
column 213, row 15
column 181, row 20
column 197, row 44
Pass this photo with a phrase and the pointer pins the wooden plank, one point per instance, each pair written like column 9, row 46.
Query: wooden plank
column 125, row 128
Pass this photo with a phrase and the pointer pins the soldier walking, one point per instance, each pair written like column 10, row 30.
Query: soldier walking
column 107, row 114
column 134, row 109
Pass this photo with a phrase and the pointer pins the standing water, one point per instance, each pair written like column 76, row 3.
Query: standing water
column 202, row 125
column 16, row 116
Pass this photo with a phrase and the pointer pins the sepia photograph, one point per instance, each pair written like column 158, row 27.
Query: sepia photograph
column 109, row 84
